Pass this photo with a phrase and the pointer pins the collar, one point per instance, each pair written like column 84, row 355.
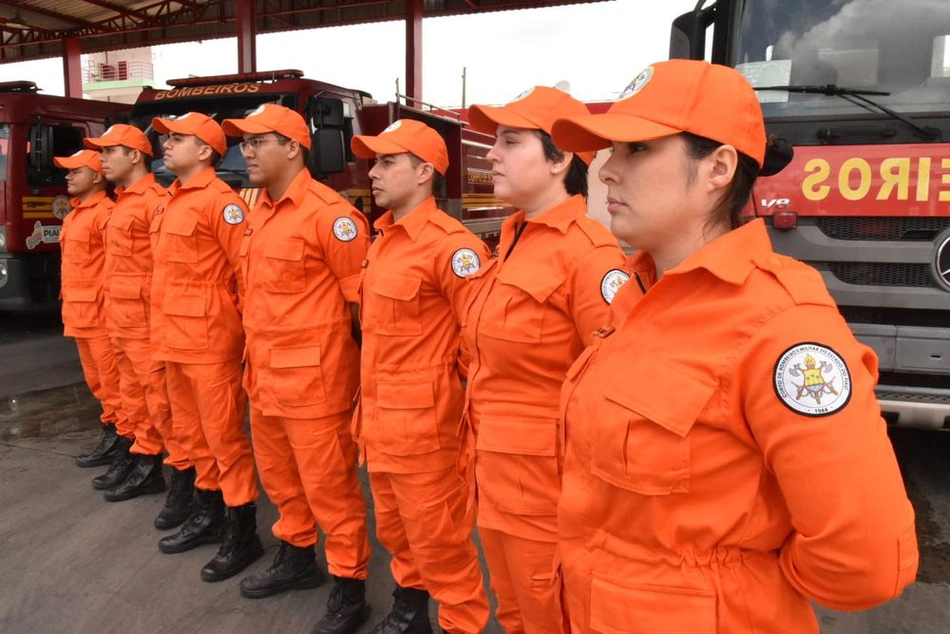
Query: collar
column 198, row 181
column 137, row 188
column 559, row 217
column 92, row 201
column 295, row 193
column 413, row 222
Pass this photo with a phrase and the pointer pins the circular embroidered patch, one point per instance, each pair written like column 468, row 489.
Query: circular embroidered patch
column 395, row 125
column 465, row 262
column 611, row 283
column 61, row 206
column 233, row 214
column 637, row 84
column 522, row 95
column 344, row 229
column 812, row 379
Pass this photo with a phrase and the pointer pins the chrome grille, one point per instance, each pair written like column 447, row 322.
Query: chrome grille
column 872, row 228
column 883, row 274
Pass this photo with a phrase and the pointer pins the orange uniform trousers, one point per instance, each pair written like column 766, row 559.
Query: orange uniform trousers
column 423, row 519
column 308, row 468
column 145, row 401
column 208, row 407
column 102, row 376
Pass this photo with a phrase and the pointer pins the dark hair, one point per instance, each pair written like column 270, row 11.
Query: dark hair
column 437, row 178
column 575, row 181
column 215, row 155
column 734, row 200
column 146, row 159
column 304, row 152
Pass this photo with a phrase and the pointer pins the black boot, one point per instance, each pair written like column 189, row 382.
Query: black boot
column 104, row 451
column 122, row 465
column 410, row 613
column 205, row 525
column 241, row 547
column 293, row 567
column 144, row 478
column 178, row 504
column 347, row 608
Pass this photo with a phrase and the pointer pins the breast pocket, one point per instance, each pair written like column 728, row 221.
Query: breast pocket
column 642, row 443
column 516, row 465
column 77, row 248
column 119, row 236
column 182, row 245
column 295, row 376
column 520, row 300
column 282, row 268
column 394, row 305
column 406, row 421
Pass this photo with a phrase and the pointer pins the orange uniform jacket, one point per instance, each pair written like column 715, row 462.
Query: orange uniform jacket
column 411, row 303
column 726, row 459
column 301, row 261
column 196, row 300
column 129, row 257
column 82, row 240
column 535, row 311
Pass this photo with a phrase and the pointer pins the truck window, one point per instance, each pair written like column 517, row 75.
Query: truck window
column 4, row 149
column 65, row 140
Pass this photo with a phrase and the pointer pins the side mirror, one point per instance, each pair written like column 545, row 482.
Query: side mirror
column 41, row 143
column 688, row 34
column 329, row 153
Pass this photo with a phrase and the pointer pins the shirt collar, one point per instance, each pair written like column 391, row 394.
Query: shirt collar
column 92, row 201
column 295, row 191
column 413, row 222
column 137, row 188
column 558, row 217
column 198, row 181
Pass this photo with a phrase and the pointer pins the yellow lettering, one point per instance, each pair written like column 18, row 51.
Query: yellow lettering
column 923, row 179
column 896, row 173
column 944, row 195
column 844, row 179
column 253, row 88
column 811, row 185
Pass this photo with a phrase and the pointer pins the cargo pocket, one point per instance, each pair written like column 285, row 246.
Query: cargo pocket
column 81, row 307
column 395, row 305
column 516, row 465
column 182, row 242
column 119, row 236
column 643, row 444
column 617, row 607
column 127, row 302
column 185, row 318
column 77, row 249
column 282, row 269
column 521, row 298
column 406, row 423
column 295, row 377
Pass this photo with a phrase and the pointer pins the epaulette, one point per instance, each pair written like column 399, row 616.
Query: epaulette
column 803, row 283
column 447, row 223
column 597, row 233
column 220, row 186
column 325, row 194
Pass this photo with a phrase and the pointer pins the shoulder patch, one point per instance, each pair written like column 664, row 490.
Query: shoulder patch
column 233, row 214
column 611, row 283
column 812, row 379
column 465, row 262
column 345, row 229
column 803, row 283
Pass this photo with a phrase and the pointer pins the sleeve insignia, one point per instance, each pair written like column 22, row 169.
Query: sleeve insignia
column 345, row 229
column 465, row 262
column 233, row 214
column 611, row 283
column 812, row 379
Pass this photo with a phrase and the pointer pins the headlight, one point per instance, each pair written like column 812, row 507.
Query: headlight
column 3, row 273
column 3, row 238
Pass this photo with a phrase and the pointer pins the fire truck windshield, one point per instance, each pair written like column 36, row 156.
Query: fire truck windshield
column 900, row 49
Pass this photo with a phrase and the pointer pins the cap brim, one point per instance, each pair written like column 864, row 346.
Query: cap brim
column 487, row 119
column 368, row 147
column 94, row 143
column 70, row 163
column 239, row 127
column 596, row 131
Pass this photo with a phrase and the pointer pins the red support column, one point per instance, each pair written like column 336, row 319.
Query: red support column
column 72, row 67
column 247, row 35
column 414, row 49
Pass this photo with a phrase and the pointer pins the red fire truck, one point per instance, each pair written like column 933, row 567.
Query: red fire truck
column 862, row 90
column 334, row 115
column 33, row 202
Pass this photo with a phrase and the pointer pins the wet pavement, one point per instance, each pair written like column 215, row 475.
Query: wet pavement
column 74, row 563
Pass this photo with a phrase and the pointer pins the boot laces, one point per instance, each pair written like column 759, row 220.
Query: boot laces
column 335, row 601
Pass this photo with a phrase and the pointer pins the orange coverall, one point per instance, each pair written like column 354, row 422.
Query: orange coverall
column 82, row 242
column 411, row 403
column 300, row 261
column 534, row 313
column 726, row 460
column 196, row 329
column 129, row 279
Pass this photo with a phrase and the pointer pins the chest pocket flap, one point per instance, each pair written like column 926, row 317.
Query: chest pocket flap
column 183, row 226
column 399, row 287
column 537, row 281
column 121, row 222
column 285, row 249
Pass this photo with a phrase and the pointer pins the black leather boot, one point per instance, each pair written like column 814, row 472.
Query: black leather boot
column 144, row 478
column 205, row 525
column 241, row 547
column 293, row 567
column 410, row 613
column 122, row 465
column 104, row 451
column 347, row 608
column 180, row 500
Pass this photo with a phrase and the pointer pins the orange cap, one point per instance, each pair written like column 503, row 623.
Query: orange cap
column 534, row 109
column 670, row 97
column 405, row 135
column 195, row 124
column 124, row 135
column 270, row 118
column 82, row 158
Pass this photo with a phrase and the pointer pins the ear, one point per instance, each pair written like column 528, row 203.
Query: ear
column 137, row 157
column 97, row 178
column 204, row 152
column 559, row 167
column 293, row 149
column 719, row 167
column 424, row 173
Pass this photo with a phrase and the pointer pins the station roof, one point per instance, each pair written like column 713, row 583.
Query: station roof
column 34, row 29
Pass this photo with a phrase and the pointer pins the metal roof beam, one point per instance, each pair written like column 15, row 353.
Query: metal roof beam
column 62, row 17
column 118, row 8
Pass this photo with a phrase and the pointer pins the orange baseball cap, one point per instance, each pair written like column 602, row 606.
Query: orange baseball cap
column 670, row 97
column 534, row 109
column 121, row 134
column 270, row 118
column 405, row 135
column 82, row 158
column 195, row 124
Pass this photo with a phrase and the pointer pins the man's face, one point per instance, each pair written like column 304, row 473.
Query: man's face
column 184, row 153
column 117, row 162
column 395, row 179
column 82, row 181
column 267, row 156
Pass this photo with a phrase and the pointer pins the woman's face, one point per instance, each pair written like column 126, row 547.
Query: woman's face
column 520, row 172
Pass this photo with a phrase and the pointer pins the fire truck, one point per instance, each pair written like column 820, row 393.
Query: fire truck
column 33, row 201
column 862, row 91
column 334, row 115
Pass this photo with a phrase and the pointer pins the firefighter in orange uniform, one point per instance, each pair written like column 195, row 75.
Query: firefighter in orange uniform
column 82, row 240
column 300, row 261
column 413, row 291
column 712, row 481
column 196, row 331
column 126, row 153
column 537, row 308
